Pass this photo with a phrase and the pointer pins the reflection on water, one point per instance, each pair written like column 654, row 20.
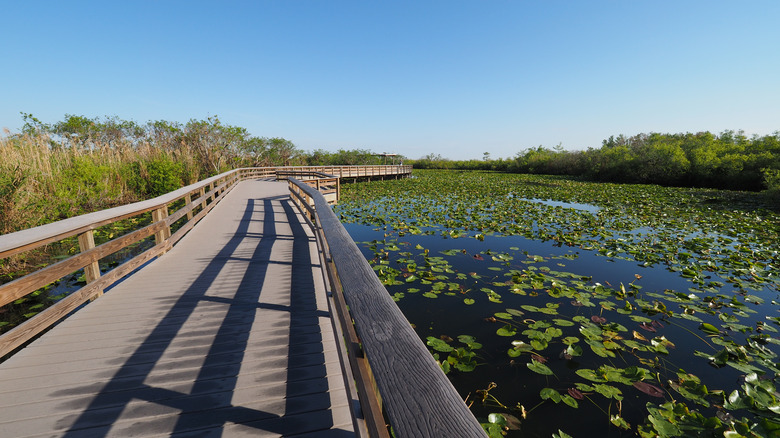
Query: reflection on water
column 575, row 205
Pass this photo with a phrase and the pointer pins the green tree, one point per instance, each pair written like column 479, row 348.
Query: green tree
column 280, row 152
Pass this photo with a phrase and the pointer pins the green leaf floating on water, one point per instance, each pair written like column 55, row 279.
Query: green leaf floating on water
column 506, row 330
column 709, row 328
column 723, row 253
column 608, row 391
column 550, row 394
column 540, row 368
column 619, row 421
column 569, row 400
column 438, row 344
column 574, row 350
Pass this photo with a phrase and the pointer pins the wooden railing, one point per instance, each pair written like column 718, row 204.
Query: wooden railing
column 197, row 199
column 328, row 185
column 356, row 171
column 393, row 370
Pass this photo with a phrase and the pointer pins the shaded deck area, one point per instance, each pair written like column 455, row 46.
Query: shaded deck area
column 228, row 334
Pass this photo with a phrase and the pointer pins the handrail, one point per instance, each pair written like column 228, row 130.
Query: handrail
column 413, row 390
column 207, row 194
column 199, row 199
column 356, row 171
column 328, row 185
column 314, row 173
column 31, row 238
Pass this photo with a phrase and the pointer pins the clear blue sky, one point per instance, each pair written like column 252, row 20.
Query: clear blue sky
column 456, row 78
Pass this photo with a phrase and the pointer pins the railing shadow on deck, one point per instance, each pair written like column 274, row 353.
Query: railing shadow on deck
column 416, row 396
column 167, row 214
column 208, row 405
column 394, row 371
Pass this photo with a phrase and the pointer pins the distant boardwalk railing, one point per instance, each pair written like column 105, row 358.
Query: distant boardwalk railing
column 418, row 398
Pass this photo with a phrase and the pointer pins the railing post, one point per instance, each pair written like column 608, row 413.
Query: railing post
column 160, row 215
column 188, row 201
column 92, row 270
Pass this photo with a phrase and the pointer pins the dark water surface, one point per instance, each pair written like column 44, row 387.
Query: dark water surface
column 662, row 306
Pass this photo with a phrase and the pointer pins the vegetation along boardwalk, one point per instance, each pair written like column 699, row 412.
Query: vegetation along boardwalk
column 241, row 328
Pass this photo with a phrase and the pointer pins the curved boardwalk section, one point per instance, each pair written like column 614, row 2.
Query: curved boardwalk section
column 228, row 334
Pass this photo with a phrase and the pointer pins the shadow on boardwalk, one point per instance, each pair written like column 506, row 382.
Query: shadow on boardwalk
column 209, row 406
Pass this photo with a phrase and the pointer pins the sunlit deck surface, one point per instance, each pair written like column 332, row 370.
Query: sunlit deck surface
column 228, row 334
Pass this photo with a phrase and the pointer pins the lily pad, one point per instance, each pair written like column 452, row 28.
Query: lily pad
column 649, row 389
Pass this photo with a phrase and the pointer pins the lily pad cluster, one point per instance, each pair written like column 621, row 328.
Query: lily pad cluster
column 690, row 341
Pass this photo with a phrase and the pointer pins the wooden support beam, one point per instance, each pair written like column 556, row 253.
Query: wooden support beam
column 188, row 201
column 202, row 192
column 160, row 215
column 92, row 270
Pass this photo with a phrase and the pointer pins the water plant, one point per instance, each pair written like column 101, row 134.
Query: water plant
column 648, row 306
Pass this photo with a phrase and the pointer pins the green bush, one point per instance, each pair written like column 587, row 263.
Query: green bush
column 155, row 177
column 772, row 180
column 134, row 175
column 84, row 185
column 165, row 175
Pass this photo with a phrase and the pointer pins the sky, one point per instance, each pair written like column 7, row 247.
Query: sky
column 453, row 78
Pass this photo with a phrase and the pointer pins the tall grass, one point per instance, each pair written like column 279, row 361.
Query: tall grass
column 42, row 181
column 78, row 165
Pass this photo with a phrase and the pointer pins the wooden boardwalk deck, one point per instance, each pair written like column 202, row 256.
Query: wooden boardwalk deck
column 228, row 334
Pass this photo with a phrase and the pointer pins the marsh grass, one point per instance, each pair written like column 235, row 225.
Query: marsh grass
column 41, row 181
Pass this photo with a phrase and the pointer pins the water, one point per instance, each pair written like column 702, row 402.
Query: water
column 446, row 316
column 575, row 205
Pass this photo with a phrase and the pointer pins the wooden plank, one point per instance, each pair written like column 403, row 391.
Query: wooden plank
column 155, row 355
column 419, row 399
column 187, row 203
column 370, row 399
column 87, row 242
column 159, row 215
column 92, row 270
column 20, row 287
column 30, row 328
column 218, row 187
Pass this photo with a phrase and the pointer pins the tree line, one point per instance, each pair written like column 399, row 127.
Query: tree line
column 729, row 160
column 51, row 171
column 217, row 146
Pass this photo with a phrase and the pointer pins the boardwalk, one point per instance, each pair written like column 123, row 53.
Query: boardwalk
column 228, row 334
